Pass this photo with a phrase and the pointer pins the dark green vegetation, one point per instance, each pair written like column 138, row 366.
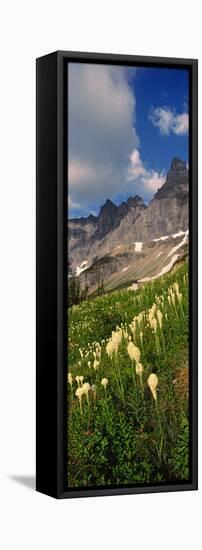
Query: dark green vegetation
column 119, row 433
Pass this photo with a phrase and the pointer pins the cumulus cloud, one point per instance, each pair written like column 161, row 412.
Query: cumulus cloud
column 102, row 137
column 101, row 134
column 148, row 179
column 168, row 121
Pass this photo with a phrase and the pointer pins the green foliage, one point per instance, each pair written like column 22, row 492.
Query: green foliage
column 180, row 456
column 124, row 436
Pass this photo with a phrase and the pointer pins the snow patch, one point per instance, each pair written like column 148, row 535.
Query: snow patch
column 138, row 247
column 164, row 270
column 161, row 238
column 175, row 235
column 80, row 269
column 83, row 264
column 178, row 246
column 125, row 268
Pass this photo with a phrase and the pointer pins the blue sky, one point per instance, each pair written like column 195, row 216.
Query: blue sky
column 125, row 127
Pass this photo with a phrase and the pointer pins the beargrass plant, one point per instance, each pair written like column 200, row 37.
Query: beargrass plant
column 128, row 417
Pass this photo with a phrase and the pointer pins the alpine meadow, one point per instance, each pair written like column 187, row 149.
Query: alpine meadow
column 128, row 276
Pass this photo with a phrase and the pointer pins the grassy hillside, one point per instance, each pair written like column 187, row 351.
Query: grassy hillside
column 124, row 425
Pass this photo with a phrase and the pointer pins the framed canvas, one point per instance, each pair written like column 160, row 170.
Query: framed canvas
column 116, row 374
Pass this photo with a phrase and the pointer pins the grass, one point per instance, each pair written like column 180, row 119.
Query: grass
column 119, row 433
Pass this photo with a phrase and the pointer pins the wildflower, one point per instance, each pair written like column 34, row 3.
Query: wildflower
column 153, row 383
column 86, row 389
column 81, row 379
column 153, row 324
column 159, row 317
column 70, row 378
column 89, row 364
column 117, row 336
column 79, row 393
column 139, row 369
column 104, row 382
column 133, row 352
column 176, row 287
column 141, row 337
column 179, row 296
column 96, row 364
column 111, row 348
column 98, row 352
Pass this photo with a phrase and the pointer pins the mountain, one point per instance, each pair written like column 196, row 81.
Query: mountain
column 167, row 213
column 132, row 241
column 91, row 238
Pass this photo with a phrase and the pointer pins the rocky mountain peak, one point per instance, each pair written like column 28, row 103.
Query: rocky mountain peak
column 107, row 210
column 176, row 182
column 135, row 201
column 107, row 218
column 178, row 165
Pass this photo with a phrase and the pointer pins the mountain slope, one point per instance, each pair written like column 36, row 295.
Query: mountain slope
column 132, row 241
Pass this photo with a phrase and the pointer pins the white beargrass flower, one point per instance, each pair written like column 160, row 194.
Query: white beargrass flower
column 79, row 394
column 159, row 315
column 81, row 379
column 95, row 364
column 110, row 349
column 153, row 324
column 104, row 382
column 70, row 378
column 139, row 369
column 86, row 389
column 89, row 364
column 153, row 383
column 179, row 296
column 176, row 287
column 133, row 352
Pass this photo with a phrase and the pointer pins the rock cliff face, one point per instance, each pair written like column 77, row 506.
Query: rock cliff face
column 98, row 241
column 91, row 238
column 167, row 212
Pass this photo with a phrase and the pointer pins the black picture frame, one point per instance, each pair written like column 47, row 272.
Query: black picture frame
column 51, row 272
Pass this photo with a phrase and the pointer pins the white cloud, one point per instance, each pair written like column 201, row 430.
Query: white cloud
column 168, row 121
column 103, row 157
column 101, row 132
column 73, row 204
column 148, row 179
